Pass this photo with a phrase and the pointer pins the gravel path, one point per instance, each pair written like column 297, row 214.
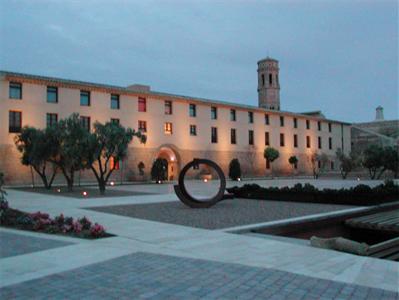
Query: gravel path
column 225, row 214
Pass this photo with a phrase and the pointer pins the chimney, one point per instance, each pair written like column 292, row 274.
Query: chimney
column 141, row 88
column 379, row 113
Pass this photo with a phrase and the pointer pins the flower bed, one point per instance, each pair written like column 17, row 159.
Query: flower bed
column 42, row 222
column 359, row 195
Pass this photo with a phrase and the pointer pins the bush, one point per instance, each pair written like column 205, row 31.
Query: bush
column 159, row 170
column 234, row 169
column 358, row 195
column 42, row 222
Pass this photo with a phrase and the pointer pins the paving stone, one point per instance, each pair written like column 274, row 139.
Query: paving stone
column 153, row 276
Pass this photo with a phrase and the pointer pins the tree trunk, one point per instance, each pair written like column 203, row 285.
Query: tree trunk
column 101, row 186
column 381, row 172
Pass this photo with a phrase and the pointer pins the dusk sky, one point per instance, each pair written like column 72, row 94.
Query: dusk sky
column 340, row 57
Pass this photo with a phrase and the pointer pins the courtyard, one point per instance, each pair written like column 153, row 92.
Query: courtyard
column 164, row 250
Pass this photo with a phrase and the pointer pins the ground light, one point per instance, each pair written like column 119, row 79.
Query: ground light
column 238, row 179
column 205, row 180
column 85, row 193
column 112, row 183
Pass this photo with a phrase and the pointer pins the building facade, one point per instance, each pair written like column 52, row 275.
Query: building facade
column 178, row 128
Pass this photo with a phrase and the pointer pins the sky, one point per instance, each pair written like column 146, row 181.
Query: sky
column 340, row 57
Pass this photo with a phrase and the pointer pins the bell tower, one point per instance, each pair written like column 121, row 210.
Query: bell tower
column 268, row 84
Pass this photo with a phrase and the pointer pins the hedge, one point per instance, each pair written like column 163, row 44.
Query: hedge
column 361, row 194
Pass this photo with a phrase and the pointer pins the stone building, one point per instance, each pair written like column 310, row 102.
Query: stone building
column 378, row 132
column 179, row 128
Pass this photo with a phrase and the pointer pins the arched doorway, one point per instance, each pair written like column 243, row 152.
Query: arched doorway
column 171, row 156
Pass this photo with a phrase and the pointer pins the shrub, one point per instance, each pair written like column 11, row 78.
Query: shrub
column 97, row 231
column 159, row 169
column 358, row 195
column 234, row 169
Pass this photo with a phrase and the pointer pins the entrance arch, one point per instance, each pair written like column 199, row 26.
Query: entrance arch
column 171, row 155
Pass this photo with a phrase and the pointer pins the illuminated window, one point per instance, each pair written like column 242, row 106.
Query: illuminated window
column 143, row 126
column 193, row 110
column 250, row 137
column 14, row 121
column 85, row 122
column 214, row 113
column 214, row 135
column 142, row 104
column 168, row 128
column 168, row 107
column 52, row 94
column 51, row 119
column 84, row 98
column 15, row 90
column 115, row 102
column 267, row 138
column 193, row 130
column 113, row 163
column 233, row 115
column 233, row 136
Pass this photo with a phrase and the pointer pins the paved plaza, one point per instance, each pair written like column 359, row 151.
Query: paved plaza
column 160, row 260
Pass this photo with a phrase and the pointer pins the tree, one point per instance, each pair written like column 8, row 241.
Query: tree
column 234, row 169
column 159, row 170
column 390, row 161
column 108, row 142
column 318, row 163
column 69, row 142
column 35, row 146
column 271, row 154
column 373, row 159
column 293, row 160
column 347, row 163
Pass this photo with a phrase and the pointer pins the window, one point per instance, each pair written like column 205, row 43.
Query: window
column 295, row 123
column 250, row 137
column 267, row 164
column 168, row 128
column 214, row 113
column 281, row 121
column 115, row 101
column 143, row 126
column 233, row 115
column 277, row 78
column 51, row 119
column 15, row 91
column 267, row 139
column 52, row 94
column 319, row 142
column 14, row 121
column 85, row 121
column 84, row 98
column 193, row 130
column 267, row 122
column 296, row 165
column 113, row 163
column 115, row 121
column 319, row 164
column 214, row 135
column 329, row 127
column 295, row 141
column 142, row 104
column 250, row 117
column 307, row 124
column 270, row 78
column 263, row 79
column 282, row 142
column 307, row 141
column 330, row 143
column 193, row 110
column 318, row 125
column 233, row 136
column 168, row 107
column 332, row 165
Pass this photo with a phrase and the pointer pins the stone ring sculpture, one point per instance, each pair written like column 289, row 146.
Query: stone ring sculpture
column 189, row 200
